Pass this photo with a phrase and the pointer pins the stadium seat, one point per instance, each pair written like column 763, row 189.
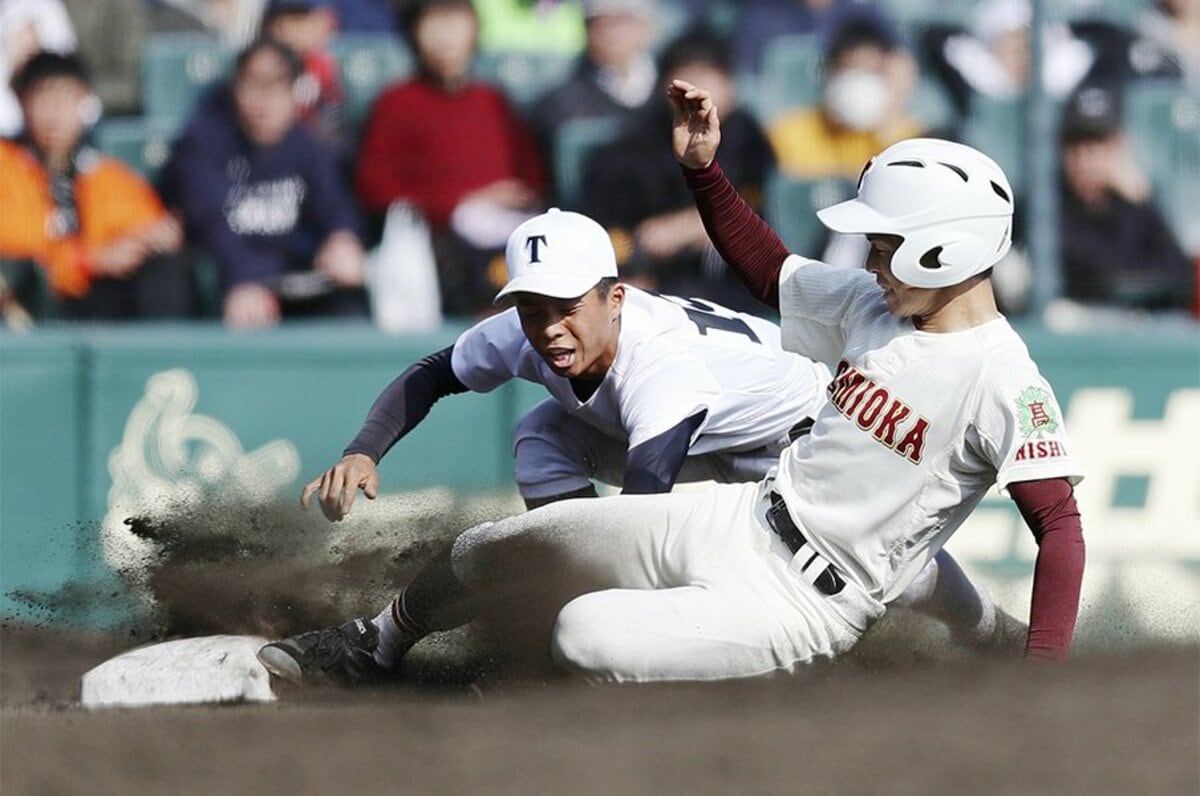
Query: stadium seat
column 176, row 68
column 790, row 77
column 573, row 143
column 1163, row 124
column 996, row 127
column 791, row 209
column 141, row 142
column 522, row 76
column 369, row 62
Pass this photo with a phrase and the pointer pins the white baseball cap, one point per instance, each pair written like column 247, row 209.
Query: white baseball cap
column 558, row 254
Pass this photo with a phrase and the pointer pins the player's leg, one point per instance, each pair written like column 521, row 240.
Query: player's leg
column 556, row 456
column 741, row 610
column 945, row 592
column 691, row 633
column 517, row 573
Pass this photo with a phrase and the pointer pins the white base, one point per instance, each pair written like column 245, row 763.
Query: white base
column 190, row 670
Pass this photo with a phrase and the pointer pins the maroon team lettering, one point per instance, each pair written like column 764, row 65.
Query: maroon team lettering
column 874, row 410
column 1040, row 450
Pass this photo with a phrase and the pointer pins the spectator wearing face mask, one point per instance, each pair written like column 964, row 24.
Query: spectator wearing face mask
column 869, row 80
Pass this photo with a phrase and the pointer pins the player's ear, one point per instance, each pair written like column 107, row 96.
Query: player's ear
column 616, row 297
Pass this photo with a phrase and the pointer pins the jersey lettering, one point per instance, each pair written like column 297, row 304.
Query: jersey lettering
column 870, row 409
column 885, row 432
column 1040, row 450
column 531, row 243
column 705, row 317
column 863, row 401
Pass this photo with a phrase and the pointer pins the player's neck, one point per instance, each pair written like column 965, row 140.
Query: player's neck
column 961, row 307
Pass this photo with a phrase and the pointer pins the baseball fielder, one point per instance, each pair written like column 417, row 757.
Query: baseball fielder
column 935, row 399
column 644, row 389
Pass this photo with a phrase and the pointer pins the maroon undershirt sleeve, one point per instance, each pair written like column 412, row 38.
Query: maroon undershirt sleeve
column 751, row 248
column 1049, row 509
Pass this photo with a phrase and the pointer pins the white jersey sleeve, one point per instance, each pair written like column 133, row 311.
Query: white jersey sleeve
column 818, row 303
column 665, row 393
column 491, row 353
column 1020, row 428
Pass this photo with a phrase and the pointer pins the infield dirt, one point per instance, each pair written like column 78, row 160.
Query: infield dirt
column 905, row 712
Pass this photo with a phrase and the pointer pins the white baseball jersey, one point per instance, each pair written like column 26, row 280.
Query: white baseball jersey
column 675, row 358
column 918, row 427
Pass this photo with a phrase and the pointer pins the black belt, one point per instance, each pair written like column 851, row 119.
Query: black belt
column 800, row 429
column 824, row 579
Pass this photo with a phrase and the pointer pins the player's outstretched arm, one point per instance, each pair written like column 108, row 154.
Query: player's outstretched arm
column 751, row 248
column 337, row 487
column 405, row 402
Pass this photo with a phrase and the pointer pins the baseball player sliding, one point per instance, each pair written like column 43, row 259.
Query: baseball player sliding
column 934, row 400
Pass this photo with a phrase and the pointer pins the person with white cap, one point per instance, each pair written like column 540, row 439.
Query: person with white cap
column 646, row 390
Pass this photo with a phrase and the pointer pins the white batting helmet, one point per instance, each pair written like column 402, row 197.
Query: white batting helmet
column 952, row 205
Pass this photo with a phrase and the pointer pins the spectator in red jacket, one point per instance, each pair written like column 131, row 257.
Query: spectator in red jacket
column 453, row 148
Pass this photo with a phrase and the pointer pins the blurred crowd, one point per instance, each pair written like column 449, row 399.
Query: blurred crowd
column 285, row 191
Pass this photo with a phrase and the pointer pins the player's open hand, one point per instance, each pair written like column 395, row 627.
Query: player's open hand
column 695, row 126
column 337, row 487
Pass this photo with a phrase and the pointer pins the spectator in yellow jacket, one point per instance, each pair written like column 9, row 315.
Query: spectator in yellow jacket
column 869, row 80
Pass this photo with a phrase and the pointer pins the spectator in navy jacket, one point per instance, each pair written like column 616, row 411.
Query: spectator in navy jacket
column 266, row 200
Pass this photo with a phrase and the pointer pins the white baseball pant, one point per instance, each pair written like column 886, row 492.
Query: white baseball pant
column 681, row 586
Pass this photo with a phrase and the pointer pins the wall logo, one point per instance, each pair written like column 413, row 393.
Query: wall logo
column 1036, row 413
column 170, row 458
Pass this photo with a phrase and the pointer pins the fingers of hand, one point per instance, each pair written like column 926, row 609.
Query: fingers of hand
column 309, row 489
column 332, row 484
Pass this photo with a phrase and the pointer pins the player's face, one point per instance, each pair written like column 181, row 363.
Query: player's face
column 902, row 300
column 577, row 337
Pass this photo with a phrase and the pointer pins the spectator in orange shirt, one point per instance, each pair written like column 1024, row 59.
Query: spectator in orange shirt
column 98, row 230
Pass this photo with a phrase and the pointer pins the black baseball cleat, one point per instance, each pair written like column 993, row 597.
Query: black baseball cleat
column 343, row 654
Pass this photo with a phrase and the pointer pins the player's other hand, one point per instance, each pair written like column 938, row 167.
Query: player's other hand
column 695, row 125
column 337, row 487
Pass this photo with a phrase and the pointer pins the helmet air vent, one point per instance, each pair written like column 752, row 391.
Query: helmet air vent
column 955, row 169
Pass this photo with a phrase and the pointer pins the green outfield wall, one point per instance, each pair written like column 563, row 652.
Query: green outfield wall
column 101, row 423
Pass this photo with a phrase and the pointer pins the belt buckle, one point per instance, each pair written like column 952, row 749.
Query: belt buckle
column 827, row 581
